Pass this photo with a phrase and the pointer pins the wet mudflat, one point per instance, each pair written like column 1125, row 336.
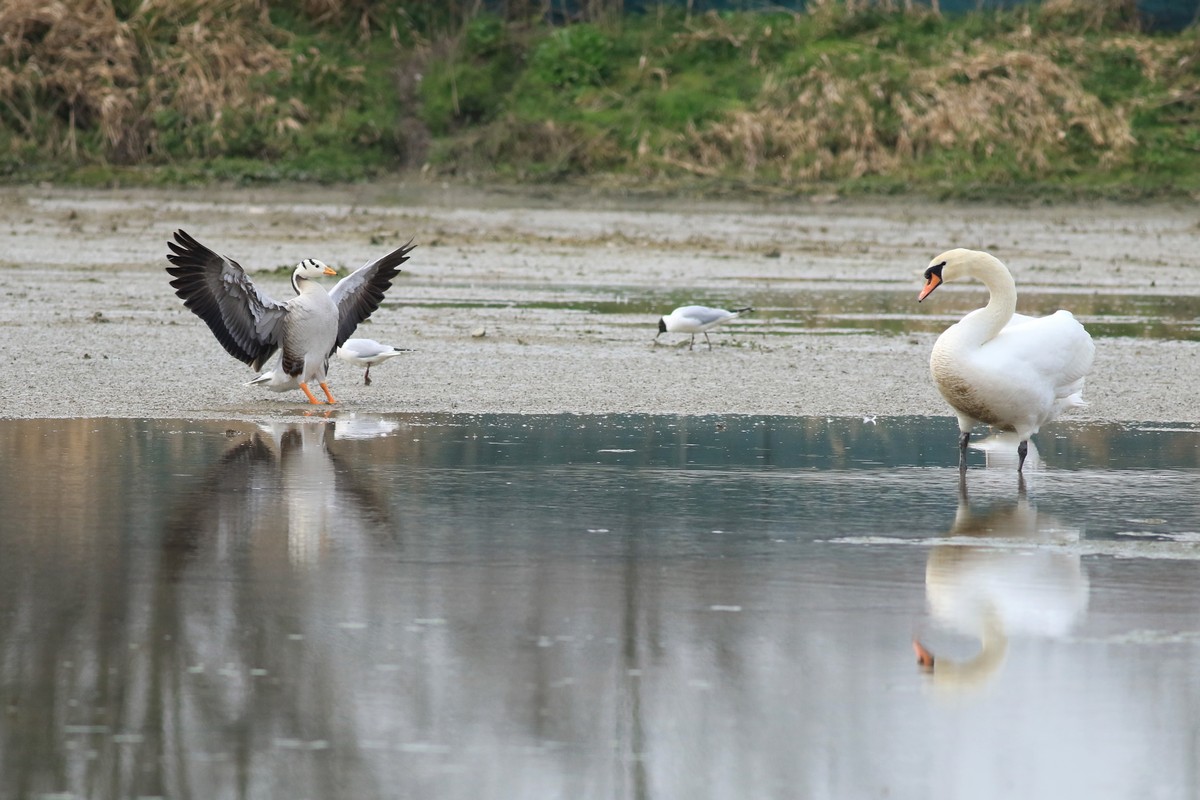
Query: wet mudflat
column 531, row 302
column 402, row 605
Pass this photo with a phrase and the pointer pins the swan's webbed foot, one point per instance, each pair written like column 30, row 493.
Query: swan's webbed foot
column 1022, row 451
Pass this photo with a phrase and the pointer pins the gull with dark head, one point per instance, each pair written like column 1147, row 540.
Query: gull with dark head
column 305, row 330
column 697, row 319
column 367, row 353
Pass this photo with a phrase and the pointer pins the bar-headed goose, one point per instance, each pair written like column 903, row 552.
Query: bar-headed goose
column 252, row 327
column 1000, row 368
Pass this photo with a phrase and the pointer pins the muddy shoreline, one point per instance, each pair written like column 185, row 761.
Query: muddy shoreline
column 92, row 329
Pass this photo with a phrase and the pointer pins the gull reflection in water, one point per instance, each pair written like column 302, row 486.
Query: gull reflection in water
column 1004, row 571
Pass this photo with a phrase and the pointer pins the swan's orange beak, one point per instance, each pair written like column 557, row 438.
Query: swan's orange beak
column 924, row 657
column 933, row 282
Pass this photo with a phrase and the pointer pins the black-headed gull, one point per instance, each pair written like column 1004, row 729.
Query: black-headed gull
column 366, row 353
column 696, row 319
column 252, row 327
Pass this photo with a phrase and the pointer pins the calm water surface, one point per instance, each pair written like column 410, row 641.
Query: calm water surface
column 595, row 607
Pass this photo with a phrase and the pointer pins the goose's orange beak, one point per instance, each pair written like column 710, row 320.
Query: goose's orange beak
column 933, row 282
column 330, row 271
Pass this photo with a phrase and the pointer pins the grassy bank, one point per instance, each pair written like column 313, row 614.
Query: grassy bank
column 1067, row 98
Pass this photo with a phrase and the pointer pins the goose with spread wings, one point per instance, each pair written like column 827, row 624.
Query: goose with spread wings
column 306, row 329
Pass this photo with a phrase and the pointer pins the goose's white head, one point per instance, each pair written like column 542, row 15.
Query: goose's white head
column 307, row 270
column 952, row 265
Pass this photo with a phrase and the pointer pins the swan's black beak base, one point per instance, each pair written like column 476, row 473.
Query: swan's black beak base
column 933, row 279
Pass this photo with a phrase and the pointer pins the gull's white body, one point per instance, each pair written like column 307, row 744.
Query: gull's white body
column 366, row 353
column 994, row 366
column 697, row 319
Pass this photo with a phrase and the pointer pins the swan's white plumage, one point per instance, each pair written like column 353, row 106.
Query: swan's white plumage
column 1007, row 370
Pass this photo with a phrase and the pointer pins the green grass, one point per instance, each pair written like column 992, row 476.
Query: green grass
column 735, row 101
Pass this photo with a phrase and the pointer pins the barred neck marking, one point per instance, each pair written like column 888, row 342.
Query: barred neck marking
column 308, row 263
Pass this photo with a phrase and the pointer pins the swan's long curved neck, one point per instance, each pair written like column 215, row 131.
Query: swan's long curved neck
column 1002, row 303
column 993, row 647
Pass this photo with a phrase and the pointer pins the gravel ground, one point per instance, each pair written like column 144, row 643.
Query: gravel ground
column 92, row 329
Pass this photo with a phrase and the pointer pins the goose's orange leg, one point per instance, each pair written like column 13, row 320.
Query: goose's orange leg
column 311, row 398
column 328, row 394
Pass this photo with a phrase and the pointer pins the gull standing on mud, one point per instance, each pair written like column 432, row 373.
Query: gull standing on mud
column 696, row 319
column 252, row 327
column 367, row 353
column 1000, row 368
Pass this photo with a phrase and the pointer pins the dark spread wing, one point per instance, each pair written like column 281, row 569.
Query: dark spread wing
column 358, row 294
column 245, row 321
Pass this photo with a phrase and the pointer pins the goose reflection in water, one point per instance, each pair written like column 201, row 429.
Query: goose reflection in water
column 284, row 482
column 1003, row 572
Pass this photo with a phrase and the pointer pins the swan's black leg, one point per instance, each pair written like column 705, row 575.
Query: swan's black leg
column 708, row 340
column 1022, row 451
column 962, row 450
column 367, row 377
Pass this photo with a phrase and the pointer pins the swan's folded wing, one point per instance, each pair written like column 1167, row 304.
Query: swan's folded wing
column 358, row 294
column 246, row 322
column 1056, row 347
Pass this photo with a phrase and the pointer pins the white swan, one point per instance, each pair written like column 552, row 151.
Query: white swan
column 1007, row 370
column 251, row 326
column 697, row 319
column 367, row 353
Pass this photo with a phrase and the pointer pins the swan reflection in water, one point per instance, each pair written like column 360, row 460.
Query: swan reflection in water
column 1000, row 452
column 1004, row 571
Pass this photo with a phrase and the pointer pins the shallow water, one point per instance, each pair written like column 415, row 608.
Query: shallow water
column 866, row 308
column 574, row 606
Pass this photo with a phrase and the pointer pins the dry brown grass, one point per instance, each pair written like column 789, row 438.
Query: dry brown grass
column 208, row 68
column 78, row 56
column 825, row 126
column 1020, row 98
column 68, row 67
